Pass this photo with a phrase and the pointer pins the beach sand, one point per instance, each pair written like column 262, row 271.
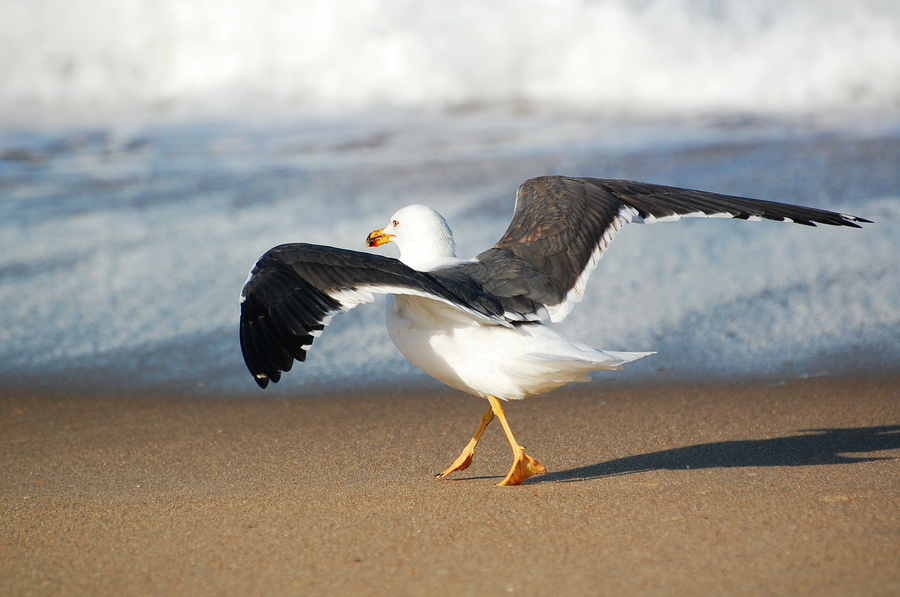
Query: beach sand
column 667, row 490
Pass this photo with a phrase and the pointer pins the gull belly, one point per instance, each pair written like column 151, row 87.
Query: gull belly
column 487, row 359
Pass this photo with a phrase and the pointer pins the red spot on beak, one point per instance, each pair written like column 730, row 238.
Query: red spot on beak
column 378, row 237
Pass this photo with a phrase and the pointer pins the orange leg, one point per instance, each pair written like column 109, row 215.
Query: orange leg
column 524, row 465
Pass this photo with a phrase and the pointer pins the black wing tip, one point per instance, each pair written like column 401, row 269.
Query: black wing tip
column 266, row 357
column 854, row 222
column 845, row 220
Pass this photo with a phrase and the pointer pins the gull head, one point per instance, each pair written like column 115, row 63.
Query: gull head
column 421, row 234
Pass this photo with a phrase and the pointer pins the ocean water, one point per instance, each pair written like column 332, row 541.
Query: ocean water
column 150, row 152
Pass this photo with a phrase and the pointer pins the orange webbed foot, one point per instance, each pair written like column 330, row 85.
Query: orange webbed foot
column 465, row 458
column 524, row 466
column 461, row 463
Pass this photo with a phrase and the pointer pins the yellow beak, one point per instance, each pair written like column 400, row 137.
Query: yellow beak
column 378, row 237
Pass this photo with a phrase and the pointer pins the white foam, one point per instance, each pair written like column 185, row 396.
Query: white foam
column 99, row 56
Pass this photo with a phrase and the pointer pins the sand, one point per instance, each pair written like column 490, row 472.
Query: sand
column 666, row 490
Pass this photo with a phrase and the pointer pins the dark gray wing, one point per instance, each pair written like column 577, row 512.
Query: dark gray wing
column 562, row 226
column 294, row 291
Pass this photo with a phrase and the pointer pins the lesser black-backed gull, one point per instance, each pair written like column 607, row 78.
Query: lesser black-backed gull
column 478, row 325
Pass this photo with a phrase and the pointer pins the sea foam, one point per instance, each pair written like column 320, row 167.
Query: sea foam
column 659, row 56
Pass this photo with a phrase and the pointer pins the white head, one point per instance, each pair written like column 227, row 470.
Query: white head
column 421, row 234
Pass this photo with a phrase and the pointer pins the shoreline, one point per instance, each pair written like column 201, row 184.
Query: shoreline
column 666, row 489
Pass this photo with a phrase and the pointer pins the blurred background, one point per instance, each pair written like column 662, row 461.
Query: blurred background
column 76, row 58
column 151, row 151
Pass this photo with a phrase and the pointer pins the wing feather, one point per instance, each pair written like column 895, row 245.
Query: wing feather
column 562, row 226
column 295, row 290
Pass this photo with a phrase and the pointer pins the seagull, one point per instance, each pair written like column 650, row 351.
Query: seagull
column 478, row 325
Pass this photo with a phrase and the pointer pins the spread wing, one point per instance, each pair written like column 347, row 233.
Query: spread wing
column 295, row 290
column 562, row 226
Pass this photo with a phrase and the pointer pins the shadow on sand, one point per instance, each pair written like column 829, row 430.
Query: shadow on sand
column 813, row 447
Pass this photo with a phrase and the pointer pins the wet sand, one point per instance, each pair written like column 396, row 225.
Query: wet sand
column 667, row 490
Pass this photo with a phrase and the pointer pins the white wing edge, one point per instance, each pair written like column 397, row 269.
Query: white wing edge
column 560, row 311
column 351, row 297
column 627, row 215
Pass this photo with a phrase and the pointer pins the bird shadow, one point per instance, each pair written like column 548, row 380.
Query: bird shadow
column 810, row 448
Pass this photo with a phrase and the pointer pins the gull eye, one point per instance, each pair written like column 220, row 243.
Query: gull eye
column 395, row 223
